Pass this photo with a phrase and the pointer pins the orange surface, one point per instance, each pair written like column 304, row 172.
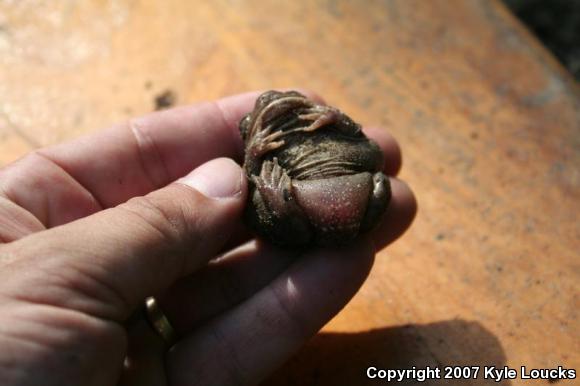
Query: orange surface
column 488, row 122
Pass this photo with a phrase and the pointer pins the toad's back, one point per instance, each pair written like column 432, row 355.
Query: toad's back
column 325, row 154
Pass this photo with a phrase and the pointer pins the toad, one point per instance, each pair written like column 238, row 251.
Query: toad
column 314, row 176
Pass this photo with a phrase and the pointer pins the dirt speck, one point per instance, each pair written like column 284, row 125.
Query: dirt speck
column 165, row 99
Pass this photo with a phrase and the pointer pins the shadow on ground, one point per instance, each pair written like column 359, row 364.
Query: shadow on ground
column 342, row 358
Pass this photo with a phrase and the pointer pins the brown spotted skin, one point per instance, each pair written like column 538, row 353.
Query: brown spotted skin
column 314, row 177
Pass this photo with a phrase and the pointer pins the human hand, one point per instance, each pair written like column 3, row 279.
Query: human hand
column 92, row 227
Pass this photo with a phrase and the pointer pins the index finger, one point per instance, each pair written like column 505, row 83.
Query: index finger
column 146, row 153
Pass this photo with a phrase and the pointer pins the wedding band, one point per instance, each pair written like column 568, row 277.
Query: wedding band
column 159, row 321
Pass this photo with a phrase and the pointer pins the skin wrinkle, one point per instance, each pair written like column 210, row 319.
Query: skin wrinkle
column 14, row 197
column 6, row 334
column 147, row 148
column 297, row 324
column 151, row 215
column 26, row 220
column 8, row 367
column 54, row 325
column 191, row 234
column 191, row 226
column 110, row 295
column 17, row 222
column 164, row 238
column 235, row 139
column 61, row 320
column 83, row 189
column 46, row 198
column 233, row 365
column 182, row 229
column 192, row 223
column 118, row 296
column 3, row 192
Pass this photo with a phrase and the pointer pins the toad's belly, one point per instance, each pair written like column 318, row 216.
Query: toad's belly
column 335, row 206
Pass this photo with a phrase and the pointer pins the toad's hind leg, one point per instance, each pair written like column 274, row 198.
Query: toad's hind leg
column 320, row 116
column 275, row 213
column 378, row 202
column 325, row 115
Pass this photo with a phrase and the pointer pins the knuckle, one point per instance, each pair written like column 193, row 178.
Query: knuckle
column 289, row 315
column 150, row 158
column 164, row 217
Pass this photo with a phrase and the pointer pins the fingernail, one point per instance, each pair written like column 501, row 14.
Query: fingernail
column 218, row 178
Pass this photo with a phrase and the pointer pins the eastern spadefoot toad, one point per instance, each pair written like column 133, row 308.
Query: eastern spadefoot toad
column 314, row 176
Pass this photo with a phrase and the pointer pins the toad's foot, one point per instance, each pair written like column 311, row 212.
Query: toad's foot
column 265, row 141
column 378, row 201
column 321, row 116
column 274, row 185
column 279, row 215
column 260, row 144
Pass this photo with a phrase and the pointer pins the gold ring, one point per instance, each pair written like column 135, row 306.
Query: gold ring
column 159, row 321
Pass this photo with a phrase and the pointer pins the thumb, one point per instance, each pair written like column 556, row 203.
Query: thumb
column 107, row 263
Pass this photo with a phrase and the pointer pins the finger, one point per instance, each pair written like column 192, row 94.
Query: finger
column 109, row 167
column 149, row 152
column 223, row 284
column 244, row 271
column 245, row 344
column 106, row 264
column 390, row 148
